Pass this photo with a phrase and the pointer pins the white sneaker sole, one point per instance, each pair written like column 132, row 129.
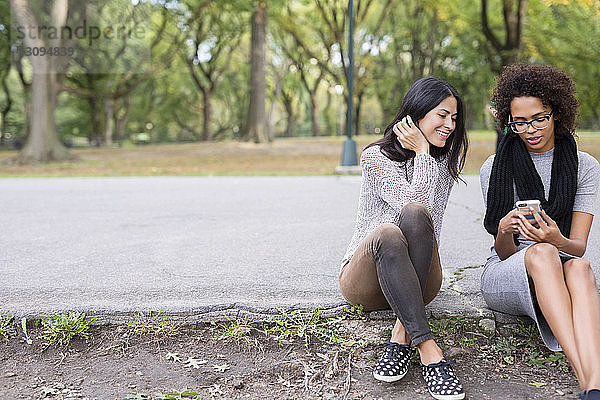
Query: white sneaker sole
column 448, row 396
column 388, row 378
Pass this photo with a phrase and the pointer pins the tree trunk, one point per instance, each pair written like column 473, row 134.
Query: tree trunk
column 291, row 119
column 276, row 94
column 109, row 121
column 514, row 12
column 206, row 115
column 121, row 118
column 329, row 122
column 256, row 128
column 95, row 136
column 314, row 106
column 5, row 110
column 43, row 143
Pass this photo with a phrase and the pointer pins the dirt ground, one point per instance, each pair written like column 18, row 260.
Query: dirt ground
column 117, row 363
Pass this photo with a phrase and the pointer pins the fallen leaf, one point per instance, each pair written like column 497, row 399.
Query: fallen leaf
column 173, row 356
column 194, row 362
column 221, row 368
column 538, row 384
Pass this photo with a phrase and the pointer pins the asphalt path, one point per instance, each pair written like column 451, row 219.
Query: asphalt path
column 195, row 246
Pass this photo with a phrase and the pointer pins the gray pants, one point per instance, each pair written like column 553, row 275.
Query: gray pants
column 397, row 267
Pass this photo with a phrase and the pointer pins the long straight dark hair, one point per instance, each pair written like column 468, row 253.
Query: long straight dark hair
column 423, row 96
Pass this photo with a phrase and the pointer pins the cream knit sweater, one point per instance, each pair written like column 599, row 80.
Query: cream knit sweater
column 387, row 186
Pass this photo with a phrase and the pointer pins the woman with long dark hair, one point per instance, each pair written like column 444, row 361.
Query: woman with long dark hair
column 536, row 266
column 392, row 260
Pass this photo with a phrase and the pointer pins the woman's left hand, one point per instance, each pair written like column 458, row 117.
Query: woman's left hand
column 547, row 232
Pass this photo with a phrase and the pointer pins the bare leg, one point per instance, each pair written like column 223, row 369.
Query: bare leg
column 399, row 334
column 581, row 284
column 545, row 268
column 430, row 352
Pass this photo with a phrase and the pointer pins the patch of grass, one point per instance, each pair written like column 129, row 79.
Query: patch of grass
column 60, row 329
column 355, row 311
column 305, row 326
column 291, row 326
column 174, row 395
column 283, row 157
column 239, row 330
column 523, row 342
column 156, row 326
column 457, row 331
column 7, row 327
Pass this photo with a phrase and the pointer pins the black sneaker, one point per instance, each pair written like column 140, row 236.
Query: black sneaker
column 441, row 381
column 393, row 364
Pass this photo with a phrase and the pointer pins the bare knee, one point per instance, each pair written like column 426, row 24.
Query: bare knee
column 542, row 258
column 579, row 271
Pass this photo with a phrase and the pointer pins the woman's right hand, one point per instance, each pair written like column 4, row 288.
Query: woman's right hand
column 509, row 224
column 410, row 136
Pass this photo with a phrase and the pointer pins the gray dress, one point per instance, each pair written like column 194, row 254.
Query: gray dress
column 504, row 283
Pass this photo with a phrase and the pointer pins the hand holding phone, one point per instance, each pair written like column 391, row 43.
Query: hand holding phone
column 526, row 205
column 410, row 136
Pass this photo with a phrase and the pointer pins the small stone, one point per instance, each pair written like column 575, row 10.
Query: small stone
column 238, row 384
column 560, row 392
column 9, row 374
column 488, row 325
column 454, row 352
column 139, row 373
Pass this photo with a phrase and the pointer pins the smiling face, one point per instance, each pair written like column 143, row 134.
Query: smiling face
column 528, row 108
column 439, row 122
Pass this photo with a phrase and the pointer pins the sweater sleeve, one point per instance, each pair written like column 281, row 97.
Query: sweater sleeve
column 484, row 177
column 393, row 187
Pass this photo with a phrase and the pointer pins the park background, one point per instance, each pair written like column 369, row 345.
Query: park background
column 236, row 87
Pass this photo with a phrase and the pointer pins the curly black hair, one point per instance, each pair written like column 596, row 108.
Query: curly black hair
column 548, row 83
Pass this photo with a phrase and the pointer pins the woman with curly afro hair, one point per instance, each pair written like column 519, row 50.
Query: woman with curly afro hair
column 536, row 266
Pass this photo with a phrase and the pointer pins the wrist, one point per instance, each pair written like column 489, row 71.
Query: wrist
column 422, row 150
column 561, row 243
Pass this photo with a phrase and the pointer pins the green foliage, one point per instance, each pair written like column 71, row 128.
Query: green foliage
column 239, row 330
column 457, row 331
column 523, row 342
column 290, row 326
column 156, row 326
column 60, row 329
column 173, row 395
column 355, row 310
column 188, row 78
column 305, row 326
column 7, row 327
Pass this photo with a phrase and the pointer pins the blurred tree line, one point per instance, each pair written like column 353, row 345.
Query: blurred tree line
column 201, row 70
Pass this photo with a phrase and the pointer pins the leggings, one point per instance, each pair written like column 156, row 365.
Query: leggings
column 397, row 267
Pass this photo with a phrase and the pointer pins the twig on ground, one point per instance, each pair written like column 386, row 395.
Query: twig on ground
column 306, row 375
column 333, row 367
column 349, row 376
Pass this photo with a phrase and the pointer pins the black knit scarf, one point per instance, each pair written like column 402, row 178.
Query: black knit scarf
column 513, row 163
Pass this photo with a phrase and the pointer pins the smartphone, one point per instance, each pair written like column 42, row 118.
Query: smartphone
column 523, row 205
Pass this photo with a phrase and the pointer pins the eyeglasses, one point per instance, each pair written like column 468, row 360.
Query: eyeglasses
column 522, row 126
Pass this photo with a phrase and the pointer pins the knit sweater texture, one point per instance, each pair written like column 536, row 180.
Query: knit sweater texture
column 387, row 186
